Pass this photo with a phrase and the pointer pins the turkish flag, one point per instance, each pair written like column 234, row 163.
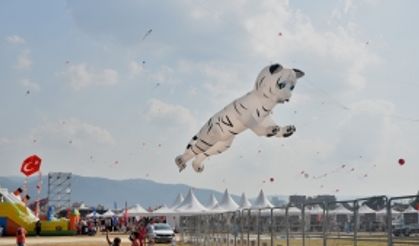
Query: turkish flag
column 31, row 165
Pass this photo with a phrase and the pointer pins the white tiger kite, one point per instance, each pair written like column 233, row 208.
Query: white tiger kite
column 274, row 85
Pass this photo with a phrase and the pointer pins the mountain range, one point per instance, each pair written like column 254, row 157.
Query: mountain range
column 110, row 193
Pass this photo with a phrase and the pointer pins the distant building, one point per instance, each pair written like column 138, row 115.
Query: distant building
column 297, row 200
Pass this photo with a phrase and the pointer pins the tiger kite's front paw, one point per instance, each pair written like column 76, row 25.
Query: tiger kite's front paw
column 273, row 130
column 287, row 131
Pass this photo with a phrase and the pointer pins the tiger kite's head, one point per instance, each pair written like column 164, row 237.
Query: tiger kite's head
column 277, row 83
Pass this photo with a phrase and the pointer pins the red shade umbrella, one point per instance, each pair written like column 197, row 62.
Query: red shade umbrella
column 31, row 165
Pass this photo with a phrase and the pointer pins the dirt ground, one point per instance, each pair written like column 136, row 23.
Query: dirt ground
column 68, row 240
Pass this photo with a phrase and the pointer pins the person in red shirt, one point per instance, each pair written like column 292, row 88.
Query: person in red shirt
column 134, row 239
column 20, row 236
column 142, row 233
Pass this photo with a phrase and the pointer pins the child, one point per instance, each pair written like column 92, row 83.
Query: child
column 20, row 236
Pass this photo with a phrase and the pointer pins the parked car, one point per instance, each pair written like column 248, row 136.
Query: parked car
column 160, row 232
column 405, row 230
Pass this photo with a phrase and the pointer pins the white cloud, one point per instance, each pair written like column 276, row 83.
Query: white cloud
column 170, row 114
column 135, row 68
column 24, row 60
column 81, row 76
column 15, row 39
column 299, row 36
column 348, row 4
column 75, row 131
column 30, row 85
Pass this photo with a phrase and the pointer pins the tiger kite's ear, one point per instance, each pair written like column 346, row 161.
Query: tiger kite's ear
column 275, row 68
column 298, row 73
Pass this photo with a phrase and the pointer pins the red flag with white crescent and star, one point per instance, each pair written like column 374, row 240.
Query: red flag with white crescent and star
column 31, row 165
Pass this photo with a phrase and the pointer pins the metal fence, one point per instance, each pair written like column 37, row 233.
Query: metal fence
column 280, row 226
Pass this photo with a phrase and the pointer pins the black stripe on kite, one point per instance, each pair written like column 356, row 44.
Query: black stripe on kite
column 210, row 145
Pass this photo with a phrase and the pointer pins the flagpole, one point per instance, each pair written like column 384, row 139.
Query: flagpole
column 38, row 194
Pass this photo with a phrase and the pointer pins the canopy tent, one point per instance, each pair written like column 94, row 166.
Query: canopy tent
column 212, row 202
column 294, row 211
column 262, row 201
column 384, row 211
column 191, row 205
column 163, row 210
column 340, row 209
column 108, row 214
column 244, row 202
column 179, row 199
column 410, row 210
column 94, row 214
column 137, row 210
column 316, row 209
column 227, row 203
column 364, row 209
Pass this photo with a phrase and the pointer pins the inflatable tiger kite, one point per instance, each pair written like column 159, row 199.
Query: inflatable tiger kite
column 274, row 85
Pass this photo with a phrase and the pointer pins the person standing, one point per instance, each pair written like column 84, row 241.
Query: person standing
column 38, row 228
column 20, row 236
column 116, row 241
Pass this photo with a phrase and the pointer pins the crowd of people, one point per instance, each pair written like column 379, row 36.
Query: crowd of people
column 137, row 236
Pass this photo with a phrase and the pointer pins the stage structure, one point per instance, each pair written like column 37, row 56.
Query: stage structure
column 59, row 190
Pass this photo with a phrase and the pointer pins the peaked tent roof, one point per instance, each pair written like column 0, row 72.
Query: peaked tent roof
column 294, row 211
column 316, row 209
column 384, row 211
column 93, row 215
column 136, row 210
column 163, row 210
column 227, row 203
column 191, row 205
column 340, row 209
column 212, row 202
column 410, row 210
column 179, row 199
column 364, row 209
column 262, row 201
column 244, row 202
column 108, row 214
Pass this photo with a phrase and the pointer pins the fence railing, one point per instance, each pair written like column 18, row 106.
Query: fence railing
column 347, row 222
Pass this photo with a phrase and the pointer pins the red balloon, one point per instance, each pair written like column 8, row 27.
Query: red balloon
column 401, row 162
column 31, row 165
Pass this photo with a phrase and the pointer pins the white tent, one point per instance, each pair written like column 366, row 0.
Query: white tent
column 316, row 209
column 191, row 205
column 262, row 201
column 410, row 210
column 136, row 210
column 94, row 215
column 212, row 202
column 340, row 209
column 179, row 199
column 244, row 202
column 108, row 214
column 227, row 203
column 294, row 211
column 384, row 211
column 364, row 209
column 163, row 210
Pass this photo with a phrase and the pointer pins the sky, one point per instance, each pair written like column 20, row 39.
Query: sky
column 116, row 89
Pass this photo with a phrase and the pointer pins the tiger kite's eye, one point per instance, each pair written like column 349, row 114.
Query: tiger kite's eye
column 281, row 85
